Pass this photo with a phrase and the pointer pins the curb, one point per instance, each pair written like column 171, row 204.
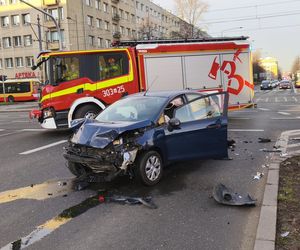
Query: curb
column 266, row 229
column 15, row 110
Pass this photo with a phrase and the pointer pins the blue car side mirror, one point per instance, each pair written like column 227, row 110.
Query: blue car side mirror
column 174, row 123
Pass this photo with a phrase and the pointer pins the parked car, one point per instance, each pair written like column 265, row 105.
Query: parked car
column 285, row 84
column 141, row 133
column 266, row 84
column 297, row 84
column 274, row 83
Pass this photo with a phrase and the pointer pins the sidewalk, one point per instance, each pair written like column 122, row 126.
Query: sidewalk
column 18, row 107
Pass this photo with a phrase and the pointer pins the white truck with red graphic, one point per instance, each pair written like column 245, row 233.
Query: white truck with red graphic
column 82, row 83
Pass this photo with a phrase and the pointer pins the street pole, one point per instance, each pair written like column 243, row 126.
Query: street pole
column 53, row 19
column 39, row 33
column 3, row 86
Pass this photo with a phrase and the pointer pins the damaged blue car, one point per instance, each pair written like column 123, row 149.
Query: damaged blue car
column 141, row 133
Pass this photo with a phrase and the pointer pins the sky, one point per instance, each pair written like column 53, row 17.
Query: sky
column 273, row 27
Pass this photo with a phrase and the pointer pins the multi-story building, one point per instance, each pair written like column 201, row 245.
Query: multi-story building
column 84, row 25
column 270, row 65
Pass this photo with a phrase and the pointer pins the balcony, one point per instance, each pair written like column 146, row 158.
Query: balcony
column 50, row 2
column 115, row 1
column 117, row 35
column 116, row 17
column 53, row 45
column 49, row 24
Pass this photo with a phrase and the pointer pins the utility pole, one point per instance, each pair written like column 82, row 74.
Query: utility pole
column 39, row 33
column 53, row 19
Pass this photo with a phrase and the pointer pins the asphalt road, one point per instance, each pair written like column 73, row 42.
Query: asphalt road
column 187, row 217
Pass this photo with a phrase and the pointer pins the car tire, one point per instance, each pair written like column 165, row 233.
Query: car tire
column 149, row 168
column 87, row 111
column 10, row 99
column 76, row 168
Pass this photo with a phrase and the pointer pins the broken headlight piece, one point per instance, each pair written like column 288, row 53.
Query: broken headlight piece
column 118, row 142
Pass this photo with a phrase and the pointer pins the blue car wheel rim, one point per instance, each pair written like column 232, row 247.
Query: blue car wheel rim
column 153, row 167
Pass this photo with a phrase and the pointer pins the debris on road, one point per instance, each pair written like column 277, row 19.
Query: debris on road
column 285, row 234
column 146, row 201
column 270, row 150
column 258, row 176
column 283, row 155
column 227, row 196
column 263, row 140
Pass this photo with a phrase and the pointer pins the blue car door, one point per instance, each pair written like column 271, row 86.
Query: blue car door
column 203, row 129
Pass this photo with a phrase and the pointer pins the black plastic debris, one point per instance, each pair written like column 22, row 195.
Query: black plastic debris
column 146, row 201
column 275, row 150
column 264, row 140
column 227, row 196
column 231, row 143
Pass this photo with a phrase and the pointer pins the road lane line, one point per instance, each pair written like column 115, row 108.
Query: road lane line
column 1, row 129
column 267, row 99
column 43, row 147
column 285, row 99
column 246, row 130
column 11, row 133
column 283, row 113
column 285, row 118
column 263, row 109
column 296, row 100
column 276, row 99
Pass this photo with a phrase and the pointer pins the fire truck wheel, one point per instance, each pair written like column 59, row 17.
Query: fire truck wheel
column 11, row 99
column 87, row 111
column 76, row 169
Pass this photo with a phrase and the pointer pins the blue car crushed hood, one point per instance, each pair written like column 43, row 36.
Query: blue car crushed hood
column 99, row 134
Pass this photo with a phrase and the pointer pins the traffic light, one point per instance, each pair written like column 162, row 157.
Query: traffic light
column 3, row 78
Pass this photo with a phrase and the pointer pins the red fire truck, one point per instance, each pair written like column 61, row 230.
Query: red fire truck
column 82, row 83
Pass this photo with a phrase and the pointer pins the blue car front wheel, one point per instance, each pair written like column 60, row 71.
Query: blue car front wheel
column 149, row 168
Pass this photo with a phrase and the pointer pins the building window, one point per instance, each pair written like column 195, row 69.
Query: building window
column 4, row 21
column 113, row 10
column 126, row 15
column 29, row 61
column 15, row 20
column 57, row 13
column 89, row 20
column 128, row 32
column 27, row 40
column 132, row 18
column 17, row 41
column 122, row 30
column 52, row 36
column 26, row 18
column 114, row 27
column 142, row 7
column 106, row 25
column 13, row 1
column 9, row 63
column 137, row 5
column 91, row 40
column 19, row 62
column 1, row 65
column 105, row 7
column 107, row 43
column 6, row 42
column 88, row 2
column 99, row 42
column 2, row 2
column 97, row 4
column 121, row 13
column 98, row 23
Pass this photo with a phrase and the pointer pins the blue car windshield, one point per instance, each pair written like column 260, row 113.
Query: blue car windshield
column 133, row 109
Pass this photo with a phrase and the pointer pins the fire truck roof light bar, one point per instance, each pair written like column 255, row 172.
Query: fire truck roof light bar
column 205, row 39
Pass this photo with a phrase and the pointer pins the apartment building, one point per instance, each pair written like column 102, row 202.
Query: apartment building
column 84, row 25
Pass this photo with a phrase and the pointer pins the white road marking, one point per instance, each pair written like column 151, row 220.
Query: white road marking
column 33, row 129
column 267, row 99
column 239, row 118
column 43, row 147
column 293, row 145
column 296, row 100
column 246, row 130
column 285, row 118
column 283, row 113
column 285, row 99
column 263, row 109
column 258, row 99
column 276, row 100
column 291, row 110
column 289, row 105
column 1, row 129
column 12, row 133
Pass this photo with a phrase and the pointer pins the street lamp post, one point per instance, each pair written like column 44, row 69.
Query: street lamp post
column 235, row 28
column 53, row 19
column 76, row 24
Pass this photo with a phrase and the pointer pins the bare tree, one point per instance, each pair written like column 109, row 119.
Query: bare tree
column 296, row 67
column 190, row 11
